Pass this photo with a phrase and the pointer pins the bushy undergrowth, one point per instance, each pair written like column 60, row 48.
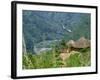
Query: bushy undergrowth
column 51, row 59
column 79, row 59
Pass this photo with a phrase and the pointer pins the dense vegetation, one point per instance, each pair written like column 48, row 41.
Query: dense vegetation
column 40, row 26
column 52, row 59
column 51, row 30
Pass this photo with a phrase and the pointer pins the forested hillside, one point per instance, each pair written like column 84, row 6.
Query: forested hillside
column 42, row 26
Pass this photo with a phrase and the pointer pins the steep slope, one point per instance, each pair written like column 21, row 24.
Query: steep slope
column 39, row 26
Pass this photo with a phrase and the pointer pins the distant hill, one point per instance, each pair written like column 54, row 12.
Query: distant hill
column 40, row 26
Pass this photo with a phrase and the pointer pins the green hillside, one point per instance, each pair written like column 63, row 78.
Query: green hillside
column 45, row 35
column 39, row 26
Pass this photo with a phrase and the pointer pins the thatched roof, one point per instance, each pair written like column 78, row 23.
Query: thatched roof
column 80, row 43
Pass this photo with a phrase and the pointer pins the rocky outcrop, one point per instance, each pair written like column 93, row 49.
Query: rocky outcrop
column 80, row 43
column 70, row 43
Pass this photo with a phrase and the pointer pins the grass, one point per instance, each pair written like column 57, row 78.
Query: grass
column 79, row 59
column 51, row 59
